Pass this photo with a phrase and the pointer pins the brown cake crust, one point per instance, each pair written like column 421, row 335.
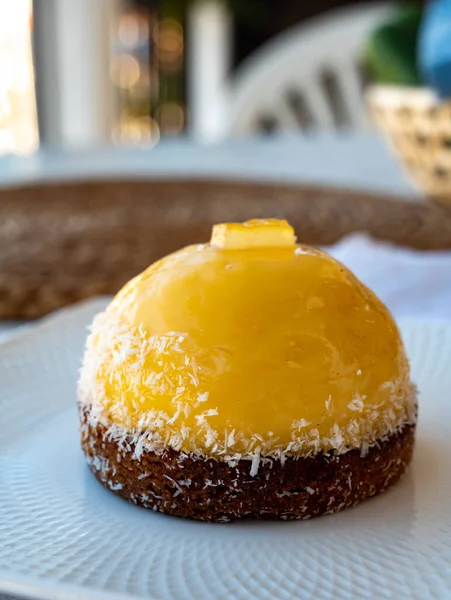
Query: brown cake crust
column 211, row 490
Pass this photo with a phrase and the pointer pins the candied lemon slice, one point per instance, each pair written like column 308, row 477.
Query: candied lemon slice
column 257, row 233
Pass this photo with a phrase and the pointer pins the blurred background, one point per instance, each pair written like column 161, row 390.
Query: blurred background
column 82, row 73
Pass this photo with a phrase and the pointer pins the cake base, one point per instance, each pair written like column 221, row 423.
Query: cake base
column 211, row 490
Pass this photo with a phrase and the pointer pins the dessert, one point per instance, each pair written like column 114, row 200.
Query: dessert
column 246, row 378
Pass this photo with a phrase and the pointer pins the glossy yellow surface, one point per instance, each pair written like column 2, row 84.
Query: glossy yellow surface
column 267, row 337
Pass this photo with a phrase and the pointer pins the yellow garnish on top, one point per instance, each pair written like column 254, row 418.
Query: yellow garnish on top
column 257, row 233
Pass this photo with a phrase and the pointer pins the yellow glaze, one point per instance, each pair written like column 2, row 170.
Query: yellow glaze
column 273, row 339
column 256, row 233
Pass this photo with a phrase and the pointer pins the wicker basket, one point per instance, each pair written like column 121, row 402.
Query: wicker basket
column 418, row 128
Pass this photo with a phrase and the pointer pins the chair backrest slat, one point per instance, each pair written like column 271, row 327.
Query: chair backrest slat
column 294, row 65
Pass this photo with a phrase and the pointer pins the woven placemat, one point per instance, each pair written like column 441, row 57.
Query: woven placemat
column 63, row 242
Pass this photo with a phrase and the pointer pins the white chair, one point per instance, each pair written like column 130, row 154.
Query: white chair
column 306, row 77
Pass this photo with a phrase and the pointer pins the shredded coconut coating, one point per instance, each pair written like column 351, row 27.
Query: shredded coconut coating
column 182, row 415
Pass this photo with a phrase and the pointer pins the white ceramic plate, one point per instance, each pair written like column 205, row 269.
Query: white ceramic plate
column 63, row 536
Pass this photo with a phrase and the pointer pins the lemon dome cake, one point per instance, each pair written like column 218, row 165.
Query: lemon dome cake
column 248, row 377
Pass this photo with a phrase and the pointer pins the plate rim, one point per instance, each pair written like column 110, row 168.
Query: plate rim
column 28, row 586
column 53, row 319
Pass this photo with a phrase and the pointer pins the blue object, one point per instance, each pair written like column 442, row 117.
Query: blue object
column 434, row 48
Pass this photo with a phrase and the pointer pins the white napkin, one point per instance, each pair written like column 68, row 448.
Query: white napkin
column 411, row 283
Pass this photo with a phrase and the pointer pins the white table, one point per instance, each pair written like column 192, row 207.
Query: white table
column 359, row 161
